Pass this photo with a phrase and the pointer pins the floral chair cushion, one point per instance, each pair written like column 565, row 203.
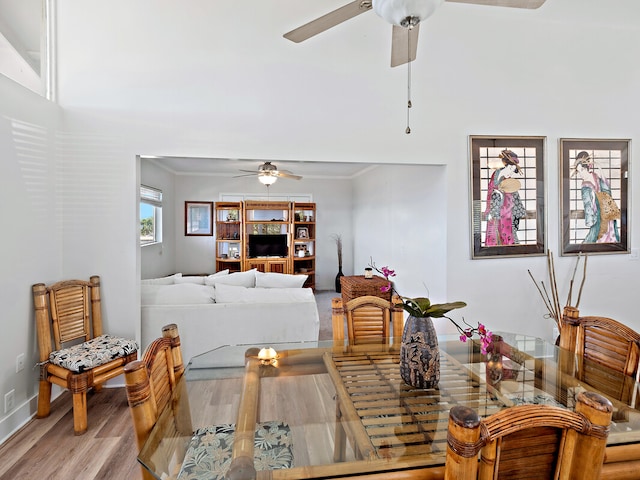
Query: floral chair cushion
column 209, row 454
column 93, row 353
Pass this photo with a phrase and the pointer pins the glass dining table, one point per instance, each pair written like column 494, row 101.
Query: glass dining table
column 350, row 414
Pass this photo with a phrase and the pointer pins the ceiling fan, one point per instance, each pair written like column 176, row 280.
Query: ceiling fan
column 268, row 173
column 404, row 15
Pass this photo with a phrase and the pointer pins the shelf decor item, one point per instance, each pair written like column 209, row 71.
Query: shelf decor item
column 338, row 239
column 419, row 351
column 302, row 233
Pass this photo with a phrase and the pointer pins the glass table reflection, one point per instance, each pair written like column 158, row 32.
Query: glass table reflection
column 351, row 414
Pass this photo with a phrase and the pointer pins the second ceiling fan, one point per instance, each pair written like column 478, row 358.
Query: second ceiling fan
column 268, row 173
column 404, row 15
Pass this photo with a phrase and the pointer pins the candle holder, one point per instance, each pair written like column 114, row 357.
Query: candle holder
column 268, row 356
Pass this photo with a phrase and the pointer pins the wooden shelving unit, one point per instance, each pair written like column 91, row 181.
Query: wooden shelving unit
column 267, row 218
column 304, row 241
column 235, row 222
column 229, row 236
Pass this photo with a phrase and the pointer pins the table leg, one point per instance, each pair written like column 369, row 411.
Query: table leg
column 340, row 443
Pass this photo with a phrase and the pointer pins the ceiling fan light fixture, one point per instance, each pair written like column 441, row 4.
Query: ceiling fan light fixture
column 405, row 13
column 267, row 179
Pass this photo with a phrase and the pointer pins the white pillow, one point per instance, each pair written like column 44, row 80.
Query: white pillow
column 178, row 294
column 170, row 280
column 237, row 294
column 197, row 279
column 209, row 279
column 241, row 279
column 279, row 280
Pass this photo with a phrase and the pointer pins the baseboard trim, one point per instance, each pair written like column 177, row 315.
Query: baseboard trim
column 27, row 410
column 18, row 418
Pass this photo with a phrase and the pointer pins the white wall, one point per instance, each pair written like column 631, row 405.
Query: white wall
column 397, row 222
column 31, row 215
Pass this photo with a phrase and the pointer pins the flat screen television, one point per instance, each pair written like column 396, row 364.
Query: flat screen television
column 268, row 245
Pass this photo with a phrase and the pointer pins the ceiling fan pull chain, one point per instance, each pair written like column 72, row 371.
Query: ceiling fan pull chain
column 408, row 130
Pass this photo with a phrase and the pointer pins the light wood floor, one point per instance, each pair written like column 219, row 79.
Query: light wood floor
column 47, row 449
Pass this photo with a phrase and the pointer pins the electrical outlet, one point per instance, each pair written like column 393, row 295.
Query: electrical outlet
column 9, row 401
column 20, row 363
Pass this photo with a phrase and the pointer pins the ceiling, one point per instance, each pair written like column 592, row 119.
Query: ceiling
column 231, row 167
column 368, row 39
column 343, row 74
column 21, row 24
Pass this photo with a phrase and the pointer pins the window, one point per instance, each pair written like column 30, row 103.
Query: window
column 150, row 215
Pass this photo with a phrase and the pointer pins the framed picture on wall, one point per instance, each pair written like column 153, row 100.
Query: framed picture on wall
column 594, row 188
column 507, row 196
column 198, row 218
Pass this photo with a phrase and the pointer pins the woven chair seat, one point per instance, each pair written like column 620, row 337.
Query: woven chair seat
column 93, row 353
column 210, row 450
column 539, row 399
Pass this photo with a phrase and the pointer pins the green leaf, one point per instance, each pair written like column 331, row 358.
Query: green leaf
column 441, row 309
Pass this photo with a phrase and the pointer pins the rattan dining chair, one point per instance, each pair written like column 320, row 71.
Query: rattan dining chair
column 529, row 441
column 602, row 341
column 151, row 384
column 74, row 353
column 369, row 319
column 154, row 390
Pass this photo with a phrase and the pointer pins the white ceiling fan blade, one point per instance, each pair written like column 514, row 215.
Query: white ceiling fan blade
column 286, row 174
column 327, row 21
column 404, row 44
column 245, row 174
column 504, row 3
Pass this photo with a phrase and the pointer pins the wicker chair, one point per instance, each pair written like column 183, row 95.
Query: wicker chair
column 529, row 441
column 74, row 353
column 604, row 342
column 153, row 389
column 368, row 320
column 151, row 384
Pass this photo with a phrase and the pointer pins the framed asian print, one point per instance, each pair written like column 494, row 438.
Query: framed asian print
column 198, row 218
column 507, row 196
column 594, row 186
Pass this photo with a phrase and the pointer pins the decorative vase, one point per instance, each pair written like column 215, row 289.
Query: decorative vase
column 340, row 274
column 419, row 353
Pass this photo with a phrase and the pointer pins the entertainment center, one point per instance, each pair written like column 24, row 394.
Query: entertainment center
column 277, row 237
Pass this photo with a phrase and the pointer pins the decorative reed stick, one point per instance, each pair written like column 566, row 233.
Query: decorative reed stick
column 554, row 288
column 552, row 300
column 547, row 302
column 584, row 277
column 573, row 276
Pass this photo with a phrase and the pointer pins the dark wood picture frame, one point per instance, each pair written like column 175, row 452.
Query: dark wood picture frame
column 302, row 233
column 507, row 217
column 198, row 219
column 589, row 167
